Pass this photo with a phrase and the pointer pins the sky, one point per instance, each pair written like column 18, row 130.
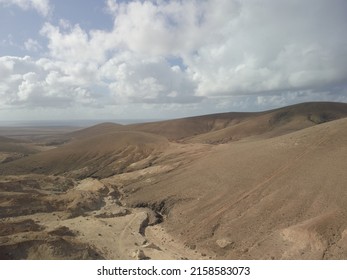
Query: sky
column 160, row 59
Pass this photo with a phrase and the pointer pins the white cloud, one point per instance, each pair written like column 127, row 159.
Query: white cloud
column 42, row 83
column 6, row 67
column 175, row 52
column 75, row 44
column 136, row 79
column 41, row 6
column 239, row 47
column 159, row 27
column 263, row 50
column 111, row 6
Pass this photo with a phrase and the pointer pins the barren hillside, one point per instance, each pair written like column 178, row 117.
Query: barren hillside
column 283, row 197
column 95, row 156
column 267, row 185
column 226, row 127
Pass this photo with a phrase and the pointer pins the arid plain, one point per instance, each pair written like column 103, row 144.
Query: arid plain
column 265, row 185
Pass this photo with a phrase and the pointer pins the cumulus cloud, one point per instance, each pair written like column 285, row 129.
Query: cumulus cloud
column 72, row 43
column 176, row 52
column 41, row 83
column 141, row 80
column 241, row 47
column 265, row 49
column 41, row 6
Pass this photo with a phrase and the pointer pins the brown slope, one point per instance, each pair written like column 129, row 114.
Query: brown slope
column 187, row 127
column 12, row 149
column 95, row 130
column 97, row 156
column 225, row 127
column 276, row 122
column 283, row 197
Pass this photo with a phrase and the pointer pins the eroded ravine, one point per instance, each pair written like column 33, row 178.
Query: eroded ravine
column 90, row 219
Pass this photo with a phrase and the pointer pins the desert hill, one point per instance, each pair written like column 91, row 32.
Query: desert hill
column 108, row 148
column 95, row 130
column 282, row 198
column 225, row 127
column 275, row 122
column 12, row 149
column 265, row 185
column 95, row 156
column 182, row 128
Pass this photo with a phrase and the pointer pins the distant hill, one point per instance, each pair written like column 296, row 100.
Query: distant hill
column 95, row 130
column 225, row 127
column 275, row 122
column 95, row 156
column 108, row 148
column 182, row 128
column 9, row 145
